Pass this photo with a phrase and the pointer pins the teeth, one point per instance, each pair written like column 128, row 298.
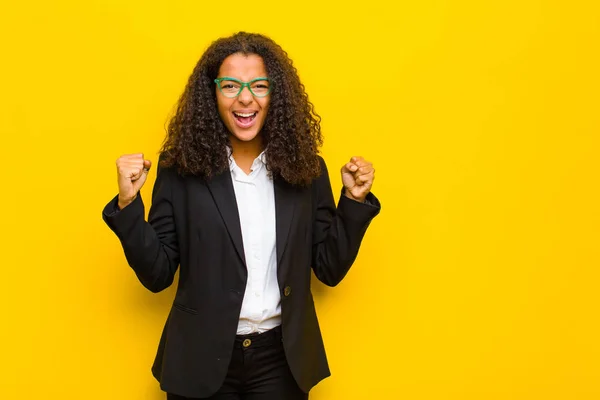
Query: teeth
column 244, row 114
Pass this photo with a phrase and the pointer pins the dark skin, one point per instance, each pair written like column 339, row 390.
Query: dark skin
column 246, row 139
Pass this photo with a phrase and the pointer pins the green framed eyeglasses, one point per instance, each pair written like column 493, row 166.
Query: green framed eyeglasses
column 232, row 87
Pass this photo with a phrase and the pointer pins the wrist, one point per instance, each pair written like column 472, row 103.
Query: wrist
column 124, row 202
column 349, row 195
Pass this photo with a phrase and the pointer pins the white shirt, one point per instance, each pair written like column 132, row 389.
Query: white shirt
column 255, row 197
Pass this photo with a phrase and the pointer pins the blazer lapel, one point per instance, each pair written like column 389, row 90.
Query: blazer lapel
column 221, row 188
column 284, row 214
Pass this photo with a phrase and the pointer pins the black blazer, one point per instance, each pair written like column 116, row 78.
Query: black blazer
column 195, row 224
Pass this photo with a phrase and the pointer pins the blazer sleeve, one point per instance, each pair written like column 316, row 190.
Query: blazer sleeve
column 151, row 248
column 337, row 232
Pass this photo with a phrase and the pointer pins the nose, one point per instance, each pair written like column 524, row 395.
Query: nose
column 245, row 97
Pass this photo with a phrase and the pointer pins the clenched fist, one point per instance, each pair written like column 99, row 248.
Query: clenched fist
column 357, row 177
column 132, row 171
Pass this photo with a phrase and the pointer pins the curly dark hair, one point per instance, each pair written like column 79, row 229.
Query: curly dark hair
column 197, row 138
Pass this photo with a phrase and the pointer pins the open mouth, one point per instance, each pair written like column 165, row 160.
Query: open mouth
column 245, row 119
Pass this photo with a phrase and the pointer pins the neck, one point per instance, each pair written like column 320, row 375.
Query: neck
column 244, row 153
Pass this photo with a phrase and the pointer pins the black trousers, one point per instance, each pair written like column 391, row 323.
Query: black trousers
column 258, row 371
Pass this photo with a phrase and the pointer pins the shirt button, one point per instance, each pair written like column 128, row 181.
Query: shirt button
column 257, row 294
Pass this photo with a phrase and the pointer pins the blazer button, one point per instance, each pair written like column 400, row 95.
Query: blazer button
column 287, row 291
column 247, row 343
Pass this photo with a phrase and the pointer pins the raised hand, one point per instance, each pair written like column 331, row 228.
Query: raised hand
column 357, row 177
column 132, row 171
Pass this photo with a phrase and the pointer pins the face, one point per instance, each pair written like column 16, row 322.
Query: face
column 244, row 115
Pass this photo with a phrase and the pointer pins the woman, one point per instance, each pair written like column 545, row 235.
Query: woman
column 243, row 203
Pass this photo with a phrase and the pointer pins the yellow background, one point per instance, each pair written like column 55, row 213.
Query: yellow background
column 479, row 279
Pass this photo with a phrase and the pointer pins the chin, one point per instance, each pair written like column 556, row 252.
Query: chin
column 245, row 136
